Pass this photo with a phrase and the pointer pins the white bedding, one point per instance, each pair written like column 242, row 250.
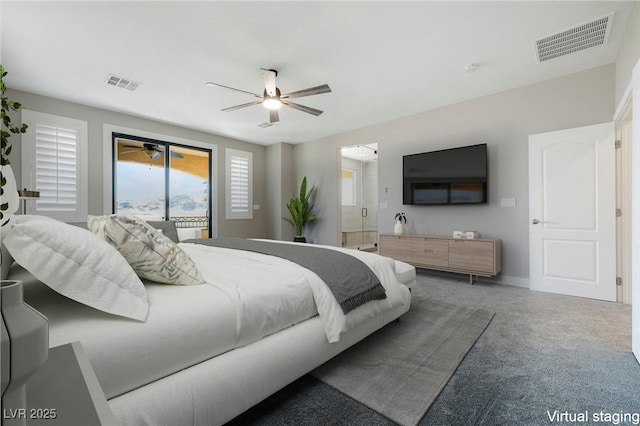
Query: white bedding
column 277, row 272
column 247, row 297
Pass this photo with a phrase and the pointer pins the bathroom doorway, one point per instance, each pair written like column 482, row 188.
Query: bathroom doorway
column 359, row 197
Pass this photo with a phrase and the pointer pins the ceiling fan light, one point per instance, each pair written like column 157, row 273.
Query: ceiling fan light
column 272, row 103
column 152, row 154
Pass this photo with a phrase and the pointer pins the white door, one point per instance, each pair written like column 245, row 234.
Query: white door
column 572, row 212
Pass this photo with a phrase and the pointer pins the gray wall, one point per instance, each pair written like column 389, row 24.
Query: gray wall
column 629, row 54
column 256, row 227
column 504, row 121
column 281, row 186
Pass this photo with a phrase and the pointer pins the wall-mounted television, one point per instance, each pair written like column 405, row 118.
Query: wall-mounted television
column 448, row 176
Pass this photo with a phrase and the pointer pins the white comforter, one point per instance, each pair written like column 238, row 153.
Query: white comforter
column 253, row 282
column 247, row 296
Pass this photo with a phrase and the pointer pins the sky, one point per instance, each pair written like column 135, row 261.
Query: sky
column 136, row 181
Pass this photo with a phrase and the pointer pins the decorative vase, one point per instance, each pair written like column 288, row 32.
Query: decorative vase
column 25, row 348
column 398, row 228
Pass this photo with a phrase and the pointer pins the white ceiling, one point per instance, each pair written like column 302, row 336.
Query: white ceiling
column 383, row 60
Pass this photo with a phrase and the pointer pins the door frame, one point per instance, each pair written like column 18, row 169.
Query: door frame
column 107, row 169
column 360, row 180
column 624, row 167
column 635, row 212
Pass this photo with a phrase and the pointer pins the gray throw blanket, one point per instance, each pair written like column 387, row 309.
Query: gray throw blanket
column 349, row 279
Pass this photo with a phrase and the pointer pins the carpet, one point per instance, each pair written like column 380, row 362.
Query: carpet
column 400, row 370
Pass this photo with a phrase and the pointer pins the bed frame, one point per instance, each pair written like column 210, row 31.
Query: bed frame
column 221, row 388
column 215, row 391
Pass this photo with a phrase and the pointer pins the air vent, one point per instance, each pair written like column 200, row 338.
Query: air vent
column 590, row 34
column 123, row 83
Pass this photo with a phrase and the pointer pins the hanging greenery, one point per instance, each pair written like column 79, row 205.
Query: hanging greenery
column 7, row 129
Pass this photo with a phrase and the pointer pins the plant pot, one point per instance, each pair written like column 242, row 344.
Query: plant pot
column 24, row 346
column 398, row 228
column 299, row 239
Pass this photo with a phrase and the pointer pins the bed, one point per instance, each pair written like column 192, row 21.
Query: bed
column 202, row 353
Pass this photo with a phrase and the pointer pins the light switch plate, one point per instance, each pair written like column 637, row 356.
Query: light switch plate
column 507, row 202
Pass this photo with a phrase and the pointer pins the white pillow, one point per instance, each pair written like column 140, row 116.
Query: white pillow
column 150, row 253
column 22, row 218
column 79, row 265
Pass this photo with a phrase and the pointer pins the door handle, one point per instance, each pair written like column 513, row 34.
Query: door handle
column 536, row 221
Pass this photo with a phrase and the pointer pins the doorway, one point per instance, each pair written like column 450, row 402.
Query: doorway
column 359, row 197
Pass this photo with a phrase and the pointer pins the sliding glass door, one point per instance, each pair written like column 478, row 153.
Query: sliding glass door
column 158, row 180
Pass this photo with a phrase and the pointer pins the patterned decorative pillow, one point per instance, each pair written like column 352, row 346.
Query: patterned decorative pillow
column 151, row 254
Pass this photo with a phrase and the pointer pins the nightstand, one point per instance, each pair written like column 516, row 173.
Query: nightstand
column 65, row 391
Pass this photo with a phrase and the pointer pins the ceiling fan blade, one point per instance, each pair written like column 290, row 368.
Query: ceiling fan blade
column 233, row 108
column 303, row 108
column 176, row 154
column 269, row 81
column 307, row 92
column 274, row 117
column 210, row 84
column 130, row 152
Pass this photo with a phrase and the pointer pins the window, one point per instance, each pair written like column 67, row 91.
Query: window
column 239, row 184
column 157, row 180
column 348, row 187
column 54, row 162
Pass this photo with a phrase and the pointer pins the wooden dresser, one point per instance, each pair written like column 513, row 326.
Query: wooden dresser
column 479, row 257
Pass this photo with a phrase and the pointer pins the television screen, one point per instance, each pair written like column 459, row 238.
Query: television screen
column 430, row 193
column 449, row 176
column 467, row 193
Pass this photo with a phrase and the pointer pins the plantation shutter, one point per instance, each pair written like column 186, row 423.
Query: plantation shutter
column 56, row 168
column 54, row 162
column 239, row 184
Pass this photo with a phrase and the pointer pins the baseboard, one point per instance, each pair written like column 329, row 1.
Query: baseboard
column 500, row 279
column 507, row 280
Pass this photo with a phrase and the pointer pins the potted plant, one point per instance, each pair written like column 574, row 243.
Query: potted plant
column 9, row 201
column 401, row 220
column 301, row 211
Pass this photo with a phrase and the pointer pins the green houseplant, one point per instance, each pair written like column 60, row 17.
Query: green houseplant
column 301, row 210
column 8, row 191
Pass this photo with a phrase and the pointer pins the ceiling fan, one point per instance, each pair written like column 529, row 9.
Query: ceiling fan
column 272, row 99
column 152, row 150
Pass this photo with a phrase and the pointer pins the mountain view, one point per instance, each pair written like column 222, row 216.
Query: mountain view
column 179, row 205
column 140, row 191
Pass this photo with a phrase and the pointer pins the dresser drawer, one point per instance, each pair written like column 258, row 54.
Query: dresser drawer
column 430, row 251
column 472, row 255
column 433, row 244
column 396, row 247
column 429, row 257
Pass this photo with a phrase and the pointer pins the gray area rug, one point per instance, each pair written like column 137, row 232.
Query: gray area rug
column 400, row 370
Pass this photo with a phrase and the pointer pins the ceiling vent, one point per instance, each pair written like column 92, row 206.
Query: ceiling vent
column 123, row 83
column 590, row 34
